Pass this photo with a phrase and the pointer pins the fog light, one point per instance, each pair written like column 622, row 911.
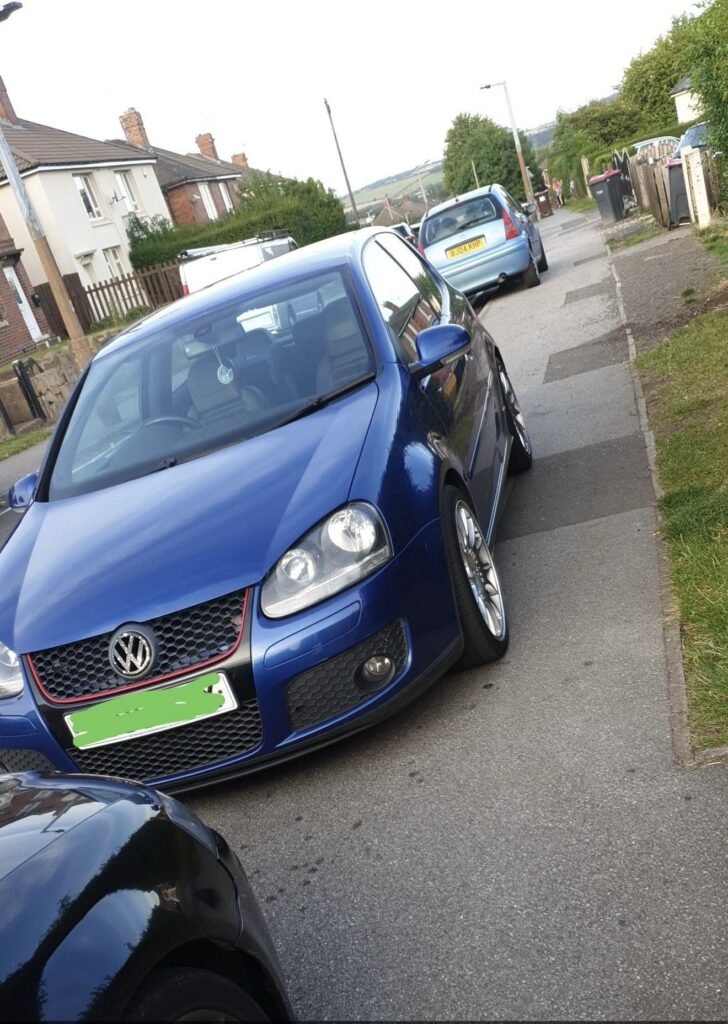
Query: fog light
column 377, row 671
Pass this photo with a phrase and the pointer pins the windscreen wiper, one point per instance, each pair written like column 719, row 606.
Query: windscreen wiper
column 321, row 400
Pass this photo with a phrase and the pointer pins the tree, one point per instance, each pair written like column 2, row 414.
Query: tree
column 474, row 139
column 648, row 79
column 707, row 55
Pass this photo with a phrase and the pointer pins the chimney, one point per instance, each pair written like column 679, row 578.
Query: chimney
column 7, row 111
column 134, row 130
column 206, row 146
column 240, row 159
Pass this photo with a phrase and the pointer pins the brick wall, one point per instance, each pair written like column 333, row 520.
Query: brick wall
column 14, row 335
column 182, row 207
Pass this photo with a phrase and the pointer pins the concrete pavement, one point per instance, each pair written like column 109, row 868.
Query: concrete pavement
column 518, row 843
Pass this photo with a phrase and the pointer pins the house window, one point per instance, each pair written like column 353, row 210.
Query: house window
column 206, row 197
column 225, row 193
column 126, row 192
column 88, row 196
column 112, row 256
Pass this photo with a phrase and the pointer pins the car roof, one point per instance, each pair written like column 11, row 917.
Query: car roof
column 319, row 257
column 462, row 198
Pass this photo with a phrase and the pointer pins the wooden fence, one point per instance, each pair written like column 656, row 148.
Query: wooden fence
column 79, row 301
column 151, row 288
column 651, row 188
column 651, row 185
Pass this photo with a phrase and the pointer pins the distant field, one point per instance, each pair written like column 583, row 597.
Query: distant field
column 399, row 186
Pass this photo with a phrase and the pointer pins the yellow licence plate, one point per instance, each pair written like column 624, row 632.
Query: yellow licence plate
column 461, row 250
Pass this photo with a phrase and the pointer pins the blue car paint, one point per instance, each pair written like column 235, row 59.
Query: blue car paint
column 216, row 524
column 485, row 268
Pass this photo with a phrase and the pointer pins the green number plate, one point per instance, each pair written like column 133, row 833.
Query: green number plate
column 153, row 710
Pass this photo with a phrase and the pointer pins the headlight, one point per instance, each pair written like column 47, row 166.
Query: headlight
column 347, row 546
column 11, row 677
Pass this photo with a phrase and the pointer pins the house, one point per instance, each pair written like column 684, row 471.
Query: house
column 198, row 188
column 83, row 191
column 22, row 322
column 405, row 209
column 687, row 102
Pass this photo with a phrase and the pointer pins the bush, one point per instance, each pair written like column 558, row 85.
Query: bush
column 107, row 323
column 305, row 209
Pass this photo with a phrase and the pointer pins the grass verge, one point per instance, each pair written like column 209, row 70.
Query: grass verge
column 634, row 239
column 686, row 384
column 13, row 445
column 581, row 205
column 715, row 240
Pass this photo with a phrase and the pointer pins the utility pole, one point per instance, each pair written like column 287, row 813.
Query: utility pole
column 35, row 229
column 425, row 200
column 338, row 150
column 521, row 162
column 389, row 210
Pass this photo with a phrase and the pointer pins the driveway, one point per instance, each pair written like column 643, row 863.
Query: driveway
column 518, row 843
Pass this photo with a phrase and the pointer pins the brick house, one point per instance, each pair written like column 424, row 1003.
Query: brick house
column 198, row 188
column 22, row 323
column 83, row 191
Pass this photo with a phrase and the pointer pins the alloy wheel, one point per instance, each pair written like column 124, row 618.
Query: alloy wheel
column 480, row 570
column 514, row 409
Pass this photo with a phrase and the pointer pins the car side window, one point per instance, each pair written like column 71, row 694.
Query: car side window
column 404, row 309
column 410, row 262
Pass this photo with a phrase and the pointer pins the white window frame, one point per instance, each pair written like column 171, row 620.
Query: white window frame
column 125, row 187
column 207, row 201
column 84, row 185
column 112, row 256
column 226, row 199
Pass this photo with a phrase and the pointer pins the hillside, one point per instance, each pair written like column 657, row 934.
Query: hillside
column 396, row 185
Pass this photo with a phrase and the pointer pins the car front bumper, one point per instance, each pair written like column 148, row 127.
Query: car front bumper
column 297, row 681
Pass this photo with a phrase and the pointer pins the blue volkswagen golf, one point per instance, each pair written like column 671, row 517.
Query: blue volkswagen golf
column 264, row 521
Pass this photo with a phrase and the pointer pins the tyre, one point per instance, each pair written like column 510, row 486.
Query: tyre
column 531, row 277
column 521, row 449
column 177, row 993
column 543, row 263
column 476, row 585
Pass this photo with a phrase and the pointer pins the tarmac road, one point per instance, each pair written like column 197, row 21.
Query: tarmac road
column 518, row 843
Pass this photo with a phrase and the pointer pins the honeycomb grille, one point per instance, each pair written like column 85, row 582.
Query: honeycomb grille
column 332, row 687
column 191, row 746
column 184, row 639
column 24, row 760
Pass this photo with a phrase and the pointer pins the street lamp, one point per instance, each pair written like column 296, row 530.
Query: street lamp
column 7, row 9
column 35, row 229
column 517, row 141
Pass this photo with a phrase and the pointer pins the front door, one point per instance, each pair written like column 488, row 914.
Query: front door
column 23, row 305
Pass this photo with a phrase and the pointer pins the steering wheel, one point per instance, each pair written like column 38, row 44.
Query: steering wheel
column 186, row 421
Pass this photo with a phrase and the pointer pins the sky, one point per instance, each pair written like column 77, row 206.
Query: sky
column 255, row 74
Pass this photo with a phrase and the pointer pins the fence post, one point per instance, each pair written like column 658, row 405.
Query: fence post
column 695, row 186
column 6, row 419
column 26, row 386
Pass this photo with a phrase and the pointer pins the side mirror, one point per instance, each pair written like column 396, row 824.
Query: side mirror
column 22, row 492
column 528, row 208
column 436, row 345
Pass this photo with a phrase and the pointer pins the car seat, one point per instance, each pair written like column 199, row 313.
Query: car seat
column 346, row 353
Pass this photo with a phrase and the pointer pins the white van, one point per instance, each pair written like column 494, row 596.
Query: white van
column 202, row 267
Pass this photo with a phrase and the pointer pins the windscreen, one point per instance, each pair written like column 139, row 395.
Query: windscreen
column 226, row 373
column 457, row 218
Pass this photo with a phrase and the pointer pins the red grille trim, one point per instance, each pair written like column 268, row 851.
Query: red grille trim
column 146, row 682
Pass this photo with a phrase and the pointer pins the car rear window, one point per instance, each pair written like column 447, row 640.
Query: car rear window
column 457, row 218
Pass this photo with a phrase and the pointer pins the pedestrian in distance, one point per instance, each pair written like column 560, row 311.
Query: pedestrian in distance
column 557, row 189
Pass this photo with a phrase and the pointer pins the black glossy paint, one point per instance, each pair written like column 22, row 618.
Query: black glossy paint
column 99, row 885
